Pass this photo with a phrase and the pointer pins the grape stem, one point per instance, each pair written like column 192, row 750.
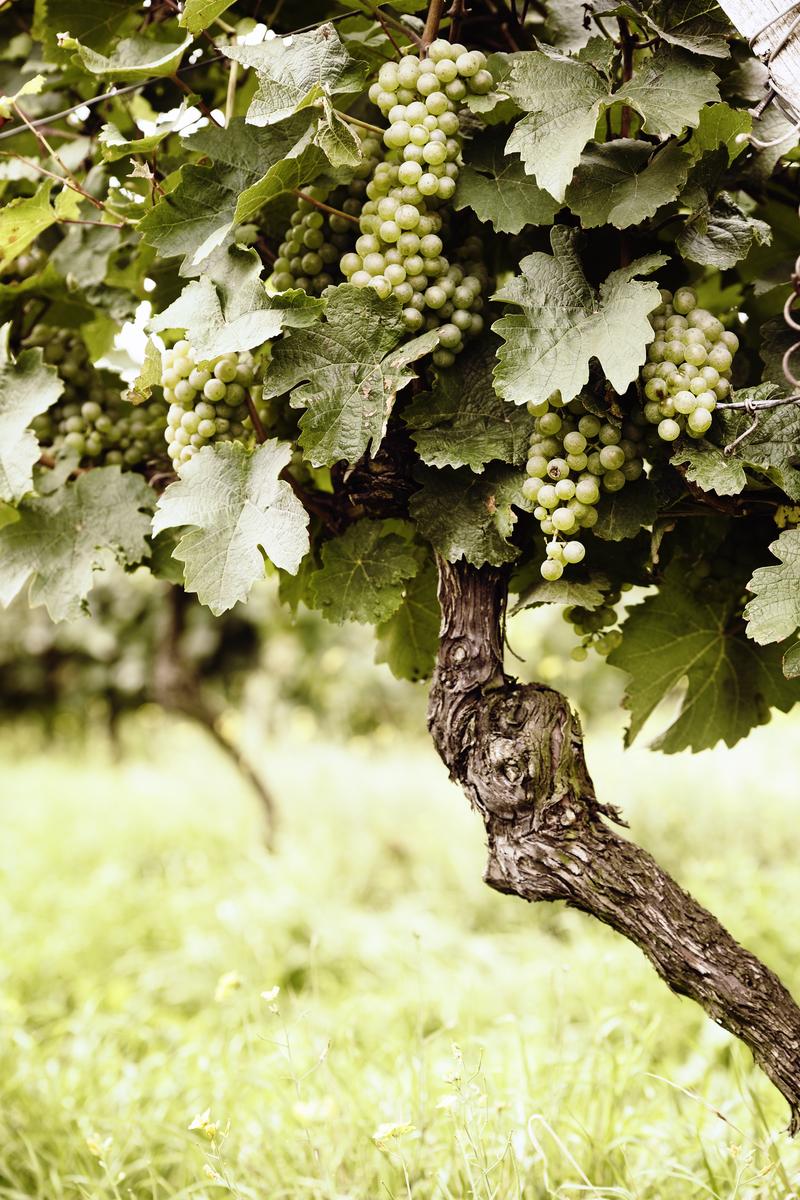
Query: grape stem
column 361, row 124
column 432, row 23
column 68, row 177
column 258, row 424
column 336, row 212
column 385, row 19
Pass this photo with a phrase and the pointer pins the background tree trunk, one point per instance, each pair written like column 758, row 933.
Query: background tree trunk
column 517, row 751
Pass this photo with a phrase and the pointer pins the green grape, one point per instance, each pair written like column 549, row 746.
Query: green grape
column 91, row 418
column 689, row 367
column 216, row 409
column 572, row 454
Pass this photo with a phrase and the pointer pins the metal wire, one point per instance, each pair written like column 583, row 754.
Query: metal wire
column 791, row 315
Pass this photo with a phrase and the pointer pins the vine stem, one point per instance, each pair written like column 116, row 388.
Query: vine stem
column 68, row 177
column 320, row 204
column 230, row 95
column 385, row 19
column 258, row 424
column 356, row 121
column 432, row 23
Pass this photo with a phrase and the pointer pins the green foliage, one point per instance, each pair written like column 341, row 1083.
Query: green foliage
column 27, row 388
column 407, row 287
column 353, row 368
column 677, row 635
column 565, row 323
column 64, row 536
column 774, row 612
column 235, row 505
column 363, row 572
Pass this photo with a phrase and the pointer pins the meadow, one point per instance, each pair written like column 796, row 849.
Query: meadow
column 183, row 1014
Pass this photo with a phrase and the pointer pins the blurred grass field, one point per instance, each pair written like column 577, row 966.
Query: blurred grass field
column 429, row 1038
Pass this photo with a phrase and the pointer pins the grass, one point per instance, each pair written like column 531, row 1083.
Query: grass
column 506, row 1051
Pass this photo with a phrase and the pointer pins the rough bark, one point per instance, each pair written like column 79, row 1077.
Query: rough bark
column 517, row 751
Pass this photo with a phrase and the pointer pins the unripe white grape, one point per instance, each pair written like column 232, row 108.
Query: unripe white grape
column 669, row 430
column 684, row 300
column 440, row 49
column 480, row 83
column 699, row 421
column 551, row 570
column 574, row 552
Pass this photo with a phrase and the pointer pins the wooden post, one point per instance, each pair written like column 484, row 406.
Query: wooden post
column 750, row 17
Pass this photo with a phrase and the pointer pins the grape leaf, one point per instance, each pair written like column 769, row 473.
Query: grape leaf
column 791, row 662
column 623, row 182
column 562, row 99
column 31, row 87
column 699, row 26
column 353, row 368
column 250, row 167
column 495, row 186
column 774, row 612
column 236, row 504
column 27, row 388
column 622, row 514
column 462, row 422
column 61, row 539
column 588, row 593
column 773, row 447
column 564, row 324
column 136, row 57
column 295, row 71
column 237, row 315
column 669, row 90
column 197, row 15
column 720, row 125
column 710, row 468
column 719, row 234
column 363, row 572
column 407, row 642
column 336, row 138
column 731, row 684
column 96, row 23
column 470, row 516
column 23, row 220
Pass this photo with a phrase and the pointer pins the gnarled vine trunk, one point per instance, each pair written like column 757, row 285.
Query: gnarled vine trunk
column 517, row 751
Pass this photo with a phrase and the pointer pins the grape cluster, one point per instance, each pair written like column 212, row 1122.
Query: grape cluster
column 595, row 626
column 91, row 419
column 309, row 255
column 574, row 457
column 207, row 399
column 689, row 366
column 401, row 248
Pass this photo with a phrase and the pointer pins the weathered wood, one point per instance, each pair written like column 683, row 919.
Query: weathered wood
column 750, row 17
column 517, row 751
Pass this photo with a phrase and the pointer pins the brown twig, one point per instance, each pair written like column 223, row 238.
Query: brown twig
column 201, row 104
column 337, row 212
column 68, row 178
column 258, row 424
column 432, row 23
